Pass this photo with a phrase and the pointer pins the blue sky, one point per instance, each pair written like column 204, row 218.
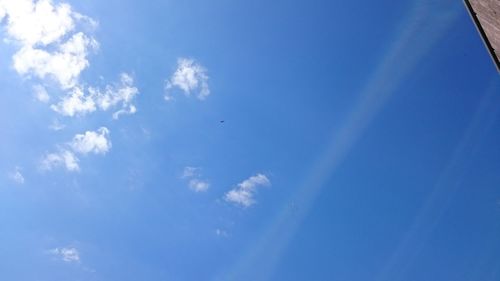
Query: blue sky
column 360, row 141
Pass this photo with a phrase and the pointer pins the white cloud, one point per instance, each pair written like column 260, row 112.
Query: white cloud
column 52, row 45
column 63, row 65
column 189, row 77
column 122, row 94
column 75, row 103
column 244, row 193
column 96, row 142
column 63, row 158
column 2, row 12
column 198, row 185
column 39, row 28
column 81, row 102
column 69, row 254
column 17, row 176
column 195, row 183
column 41, row 93
column 37, row 23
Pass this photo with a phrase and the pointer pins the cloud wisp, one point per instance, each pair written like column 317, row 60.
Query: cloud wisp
column 190, row 77
column 66, row 254
column 195, row 183
column 56, row 125
column 62, row 158
column 198, row 185
column 96, row 142
column 81, row 101
column 16, row 176
column 41, row 94
column 243, row 194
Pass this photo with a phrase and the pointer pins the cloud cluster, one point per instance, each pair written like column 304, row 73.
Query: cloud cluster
column 52, row 45
column 69, row 254
column 245, row 191
column 189, row 77
column 192, row 174
column 81, row 101
column 49, row 44
column 96, row 142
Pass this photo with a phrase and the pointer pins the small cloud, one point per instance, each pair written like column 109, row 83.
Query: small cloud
column 16, row 176
column 41, row 94
column 195, row 183
column 146, row 132
column 75, row 103
column 189, row 77
column 245, row 191
column 96, row 142
column 69, row 254
column 63, row 157
column 168, row 97
column 198, row 185
column 56, row 125
column 120, row 94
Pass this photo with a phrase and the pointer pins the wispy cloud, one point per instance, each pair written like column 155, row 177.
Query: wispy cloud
column 190, row 77
column 245, row 191
column 195, row 183
column 16, row 176
column 81, row 101
column 221, row 233
column 96, row 142
column 67, row 254
column 75, row 103
column 62, row 158
column 56, row 125
column 198, row 185
column 41, row 94
column 190, row 172
column 121, row 94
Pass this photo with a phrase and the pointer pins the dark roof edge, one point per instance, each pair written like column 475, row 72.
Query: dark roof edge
column 479, row 27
